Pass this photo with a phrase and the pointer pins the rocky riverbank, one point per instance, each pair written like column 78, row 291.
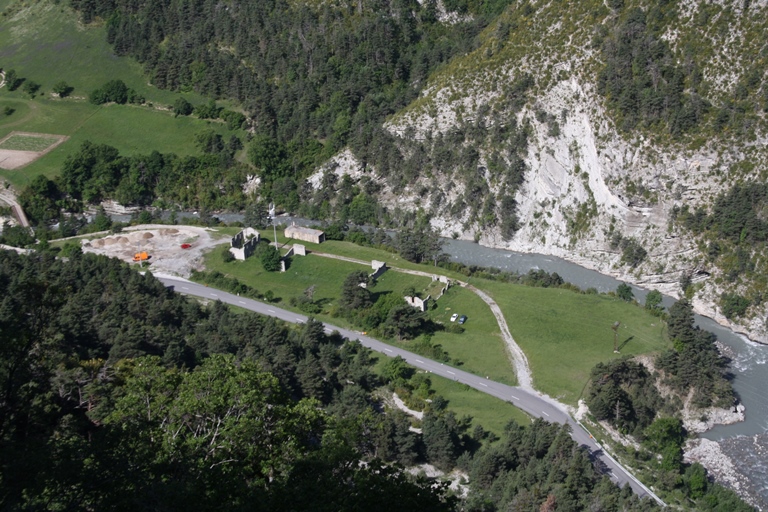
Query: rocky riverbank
column 733, row 463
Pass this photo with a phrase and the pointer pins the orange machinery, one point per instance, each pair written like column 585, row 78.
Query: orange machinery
column 141, row 256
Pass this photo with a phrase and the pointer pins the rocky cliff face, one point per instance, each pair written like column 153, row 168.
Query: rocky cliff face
column 588, row 185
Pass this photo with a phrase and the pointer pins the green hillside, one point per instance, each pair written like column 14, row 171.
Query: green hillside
column 44, row 42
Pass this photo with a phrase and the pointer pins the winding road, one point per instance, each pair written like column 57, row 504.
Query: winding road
column 528, row 400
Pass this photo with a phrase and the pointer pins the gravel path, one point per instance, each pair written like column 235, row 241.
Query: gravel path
column 519, row 361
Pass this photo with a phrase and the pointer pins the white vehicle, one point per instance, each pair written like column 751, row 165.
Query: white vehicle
column 454, row 317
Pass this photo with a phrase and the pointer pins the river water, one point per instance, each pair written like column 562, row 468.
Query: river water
column 744, row 443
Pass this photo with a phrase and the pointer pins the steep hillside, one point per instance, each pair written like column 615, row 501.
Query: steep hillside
column 615, row 145
column 603, row 132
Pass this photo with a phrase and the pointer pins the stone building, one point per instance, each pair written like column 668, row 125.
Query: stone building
column 314, row 236
column 244, row 243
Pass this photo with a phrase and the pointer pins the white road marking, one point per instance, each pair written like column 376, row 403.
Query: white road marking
column 241, row 302
column 483, row 384
column 545, row 414
column 184, row 288
column 513, row 396
column 271, row 310
column 449, row 371
column 420, row 362
column 387, row 350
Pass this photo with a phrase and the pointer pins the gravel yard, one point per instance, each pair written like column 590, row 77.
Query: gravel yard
column 163, row 244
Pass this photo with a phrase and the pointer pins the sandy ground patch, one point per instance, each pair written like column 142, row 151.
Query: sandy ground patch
column 162, row 243
column 13, row 159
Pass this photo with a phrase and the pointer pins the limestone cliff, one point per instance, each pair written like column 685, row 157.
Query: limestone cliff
column 587, row 182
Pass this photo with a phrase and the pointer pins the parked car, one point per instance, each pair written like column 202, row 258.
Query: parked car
column 462, row 319
column 454, row 317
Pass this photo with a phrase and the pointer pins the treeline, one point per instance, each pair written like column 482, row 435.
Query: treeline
column 97, row 172
column 695, row 362
column 624, row 394
column 317, row 80
column 119, row 394
column 322, row 73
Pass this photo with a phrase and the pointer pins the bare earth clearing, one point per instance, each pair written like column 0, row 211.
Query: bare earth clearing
column 162, row 243
column 14, row 158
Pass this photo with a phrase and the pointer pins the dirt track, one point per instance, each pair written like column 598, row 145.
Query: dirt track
column 163, row 243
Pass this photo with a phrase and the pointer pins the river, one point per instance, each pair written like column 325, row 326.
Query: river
column 744, row 443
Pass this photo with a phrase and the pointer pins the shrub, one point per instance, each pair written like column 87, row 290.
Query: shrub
column 733, row 305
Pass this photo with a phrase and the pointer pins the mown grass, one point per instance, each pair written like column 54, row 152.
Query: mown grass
column 490, row 412
column 479, row 349
column 129, row 128
column 565, row 334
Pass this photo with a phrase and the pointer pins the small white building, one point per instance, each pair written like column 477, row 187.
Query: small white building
column 314, row 236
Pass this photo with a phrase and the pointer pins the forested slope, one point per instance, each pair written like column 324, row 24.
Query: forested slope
column 589, row 130
column 119, row 394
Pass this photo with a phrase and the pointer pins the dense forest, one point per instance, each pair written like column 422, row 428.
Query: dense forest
column 733, row 236
column 119, row 394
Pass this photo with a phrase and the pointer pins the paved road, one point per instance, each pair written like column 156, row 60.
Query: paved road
column 530, row 402
column 518, row 359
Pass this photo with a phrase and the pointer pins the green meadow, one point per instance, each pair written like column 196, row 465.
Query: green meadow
column 486, row 410
column 479, row 349
column 565, row 334
column 45, row 43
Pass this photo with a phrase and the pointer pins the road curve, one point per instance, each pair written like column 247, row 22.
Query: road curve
column 527, row 400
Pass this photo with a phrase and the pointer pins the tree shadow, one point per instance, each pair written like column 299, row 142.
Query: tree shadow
column 624, row 343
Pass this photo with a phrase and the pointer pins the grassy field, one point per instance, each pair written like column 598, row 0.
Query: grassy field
column 480, row 348
column 490, row 412
column 129, row 128
column 564, row 334
column 45, row 43
column 27, row 143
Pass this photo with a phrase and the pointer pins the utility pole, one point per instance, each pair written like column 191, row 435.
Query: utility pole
column 272, row 217
column 615, row 328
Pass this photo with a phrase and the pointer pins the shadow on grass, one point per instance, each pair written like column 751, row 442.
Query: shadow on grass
column 624, row 343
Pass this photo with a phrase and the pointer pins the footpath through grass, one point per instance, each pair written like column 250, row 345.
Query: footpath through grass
column 565, row 334
column 479, row 349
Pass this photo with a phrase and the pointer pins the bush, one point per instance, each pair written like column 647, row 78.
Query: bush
column 62, row 89
column 181, row 107
column 270, row 259
column 113, row 91
column 733, row 305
